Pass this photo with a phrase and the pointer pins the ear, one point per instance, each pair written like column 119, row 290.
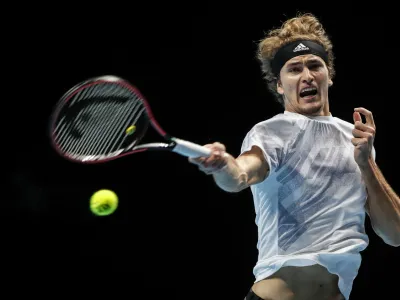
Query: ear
column 330, row 82
column 279, row 87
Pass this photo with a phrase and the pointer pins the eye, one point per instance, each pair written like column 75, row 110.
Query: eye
column 314, row 66
column 295, row 70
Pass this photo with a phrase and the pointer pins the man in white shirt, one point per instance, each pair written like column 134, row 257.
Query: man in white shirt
column 313, row 176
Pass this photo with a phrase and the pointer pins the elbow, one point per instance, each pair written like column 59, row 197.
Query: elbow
column 241, row 184
column 237, row 189
column 230, row 190
column 393, row 243
column 390, row 235
column 392, row 240
column 234, row 188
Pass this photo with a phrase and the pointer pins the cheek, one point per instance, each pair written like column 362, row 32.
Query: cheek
column 292, row 88
column 321, row 77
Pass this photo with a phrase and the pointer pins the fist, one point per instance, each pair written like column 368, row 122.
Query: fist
column 215, row 162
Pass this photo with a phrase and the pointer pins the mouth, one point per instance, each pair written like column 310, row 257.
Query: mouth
column 308, row 93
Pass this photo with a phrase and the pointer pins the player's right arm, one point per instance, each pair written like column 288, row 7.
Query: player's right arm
column 233, row 174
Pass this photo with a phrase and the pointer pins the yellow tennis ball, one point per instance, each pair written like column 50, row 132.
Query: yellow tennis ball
column 130, row 129
column 103, row 202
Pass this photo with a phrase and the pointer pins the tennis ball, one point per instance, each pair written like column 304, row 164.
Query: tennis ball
column 130, row 129
column 103, row 202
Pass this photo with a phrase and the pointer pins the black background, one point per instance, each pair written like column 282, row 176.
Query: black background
column 175, row 235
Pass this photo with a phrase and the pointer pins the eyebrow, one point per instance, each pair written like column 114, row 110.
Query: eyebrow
column 311, row 60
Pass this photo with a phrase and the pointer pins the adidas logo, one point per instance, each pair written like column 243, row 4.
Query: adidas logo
column 300, row 47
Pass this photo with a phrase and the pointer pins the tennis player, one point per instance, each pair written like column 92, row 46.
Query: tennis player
column 313, row 176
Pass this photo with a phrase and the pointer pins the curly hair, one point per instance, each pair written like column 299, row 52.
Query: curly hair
column 303, row 27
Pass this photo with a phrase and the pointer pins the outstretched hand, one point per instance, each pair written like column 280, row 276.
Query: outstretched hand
column 364, row 135
column 215, row 162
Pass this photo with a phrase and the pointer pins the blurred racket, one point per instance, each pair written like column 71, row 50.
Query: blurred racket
column 105, row 118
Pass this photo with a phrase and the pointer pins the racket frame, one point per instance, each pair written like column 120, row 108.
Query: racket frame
column 172, row 144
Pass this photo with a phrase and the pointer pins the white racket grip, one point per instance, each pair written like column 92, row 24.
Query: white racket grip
column 190, row 149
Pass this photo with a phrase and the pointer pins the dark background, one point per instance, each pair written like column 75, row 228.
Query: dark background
column 175, row 235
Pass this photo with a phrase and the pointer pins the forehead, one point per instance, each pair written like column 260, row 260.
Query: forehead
column 303, row 59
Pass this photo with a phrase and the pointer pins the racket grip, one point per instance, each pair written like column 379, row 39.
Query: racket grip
column 190, row 149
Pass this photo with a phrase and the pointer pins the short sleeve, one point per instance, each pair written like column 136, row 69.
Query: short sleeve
column 270, row 144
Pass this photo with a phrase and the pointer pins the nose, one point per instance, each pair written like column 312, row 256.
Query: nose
column 307, row 75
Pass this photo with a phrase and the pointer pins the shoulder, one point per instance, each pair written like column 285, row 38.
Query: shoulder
column 272, row 125
column 344, row 124
column 272, row 133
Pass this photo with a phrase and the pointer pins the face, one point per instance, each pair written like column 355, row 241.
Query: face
column 304, row 82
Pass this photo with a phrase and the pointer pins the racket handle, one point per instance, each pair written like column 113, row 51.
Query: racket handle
column 190, row 149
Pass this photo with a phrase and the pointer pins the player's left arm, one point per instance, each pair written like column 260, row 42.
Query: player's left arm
column 383, row 204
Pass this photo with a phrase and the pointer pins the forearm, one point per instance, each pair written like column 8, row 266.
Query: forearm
column 231, row 178
column 383, row 204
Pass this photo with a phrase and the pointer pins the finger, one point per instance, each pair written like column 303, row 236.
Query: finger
column 211, row 168
column 216, row 160
column 209, row 146
column 209, row 161
column 215, row 147
column 218, row 147
column 357, row 117
column 368, row 115
column 362, row 134
column 196, row 160
column 358, row 141
column 218, row 164
column 216, row 155
column 363, row 127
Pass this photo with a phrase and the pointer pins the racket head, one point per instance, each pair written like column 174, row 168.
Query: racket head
column 100, row 119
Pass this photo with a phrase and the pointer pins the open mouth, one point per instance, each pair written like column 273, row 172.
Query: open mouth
column 309, row 92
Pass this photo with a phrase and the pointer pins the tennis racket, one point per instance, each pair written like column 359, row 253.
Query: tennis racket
column 105, row 118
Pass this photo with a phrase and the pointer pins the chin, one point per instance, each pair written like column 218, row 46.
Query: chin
column 313, row 108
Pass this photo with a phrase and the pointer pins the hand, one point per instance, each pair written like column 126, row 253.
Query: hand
column 215, row 162
column 364, row 135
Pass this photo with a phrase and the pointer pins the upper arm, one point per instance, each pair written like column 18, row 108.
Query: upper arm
column 254, row 164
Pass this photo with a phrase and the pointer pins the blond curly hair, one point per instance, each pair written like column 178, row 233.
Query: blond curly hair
column 303, row 27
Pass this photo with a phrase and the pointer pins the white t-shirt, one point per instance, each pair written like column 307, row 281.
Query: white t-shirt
column 310, row 208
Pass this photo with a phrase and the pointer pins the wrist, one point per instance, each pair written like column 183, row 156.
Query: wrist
column 367, row 169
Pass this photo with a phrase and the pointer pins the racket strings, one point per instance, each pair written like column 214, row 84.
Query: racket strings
column 99, row 138
column 81, row 129
column 96, row 137
column 94, row 128
column 99, row 126
column 76, row 129
column 103, row 146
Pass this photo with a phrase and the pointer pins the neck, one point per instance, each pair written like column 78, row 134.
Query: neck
column 314, row 111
